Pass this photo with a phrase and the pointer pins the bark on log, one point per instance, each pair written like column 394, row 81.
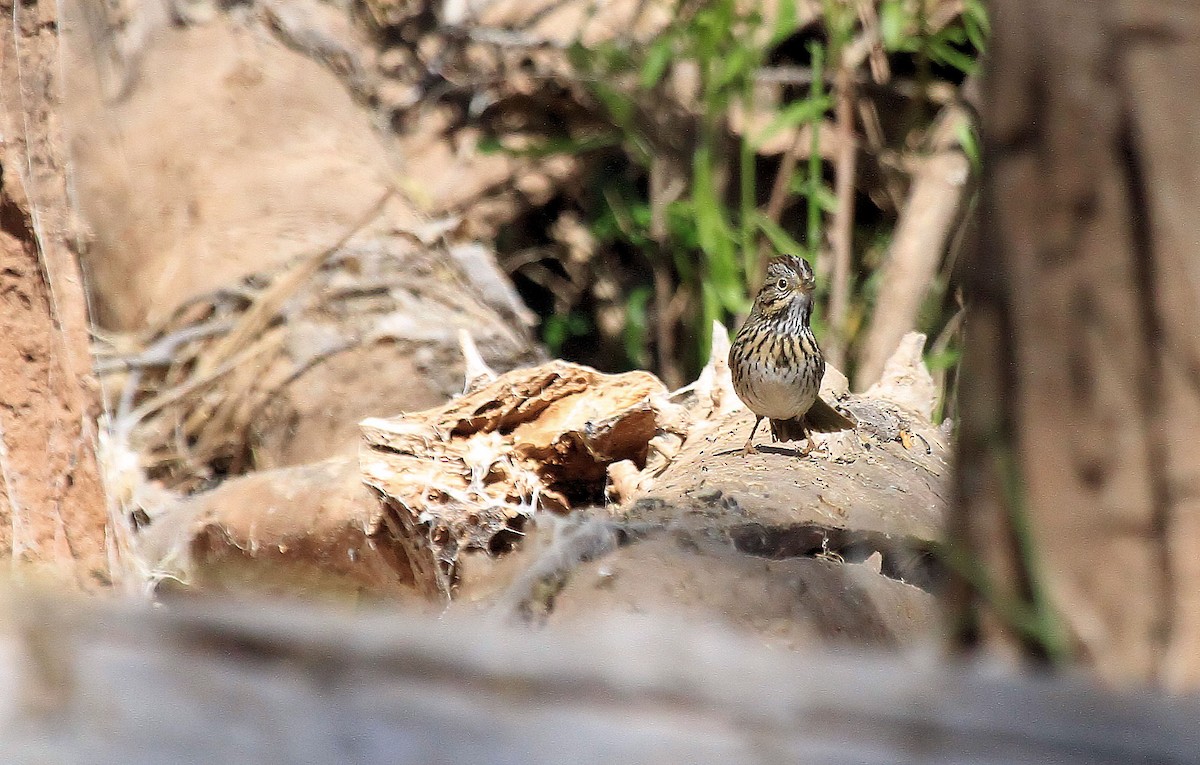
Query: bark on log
column 1082, row 376
column 52, row 506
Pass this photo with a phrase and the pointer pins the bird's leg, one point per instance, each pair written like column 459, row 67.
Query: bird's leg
column 749, row 447
column 810, row 445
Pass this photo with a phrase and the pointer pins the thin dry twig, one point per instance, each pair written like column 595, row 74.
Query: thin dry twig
column 780, row 191
column 268, row 303
column 781, row 188
column 666, row 186
column 802, row 76
column 191, row 386
column 939, row 346
column 922, row 233
column 842, row 230
column 877, row 58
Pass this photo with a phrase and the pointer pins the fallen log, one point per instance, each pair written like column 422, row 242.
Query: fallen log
column 551, row 494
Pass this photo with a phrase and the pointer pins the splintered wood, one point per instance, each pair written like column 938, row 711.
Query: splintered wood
column 470, row 473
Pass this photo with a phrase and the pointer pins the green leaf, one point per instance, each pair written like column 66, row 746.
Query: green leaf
column 639, row 213
column 549, row 146
column 826, row 199
column 816, row 91
column 578, row 325
column 969, row 142
column 736, row 68
column 605, row 228
column 726, row 280
column 716, row 236
column 554, row 333
column 685, row 265
column 710, row 311
column 580, row 57
column 781, row 240
column 658, row 58
column 711, row 226
column 489, row 144
column 618, row 105
column 975, row 22
column 681, row 224
column 953, row 35
column 977, row 10
column 975, row 33
column 785, row 22
column 795, row 113
column 798, row 183
column 975, row 13
column 622, row 221
column 893, row 24
column 944, row 53
column 635, row 326
column 942, row 360
column 840, row 20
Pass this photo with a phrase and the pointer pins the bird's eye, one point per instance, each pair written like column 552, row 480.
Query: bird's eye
column 781, row 285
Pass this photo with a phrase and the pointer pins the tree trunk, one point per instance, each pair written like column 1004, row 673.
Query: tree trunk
column 1079, row 487
column 52, row 509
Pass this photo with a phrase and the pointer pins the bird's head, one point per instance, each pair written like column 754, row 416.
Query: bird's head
column 789, row 282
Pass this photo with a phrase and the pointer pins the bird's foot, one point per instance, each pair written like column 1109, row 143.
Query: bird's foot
column 748, row 449
column 808, row 447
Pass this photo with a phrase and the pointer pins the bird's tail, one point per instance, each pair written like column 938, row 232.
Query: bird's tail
column 820, row 418
column 823, row 418
column 788, row 430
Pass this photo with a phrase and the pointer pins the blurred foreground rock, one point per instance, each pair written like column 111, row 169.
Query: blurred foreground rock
column 268, row 682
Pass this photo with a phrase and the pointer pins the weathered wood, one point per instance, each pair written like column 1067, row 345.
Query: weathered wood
column 207, row 682
column 468, row 474
column 1082, row 348
column 53, row 516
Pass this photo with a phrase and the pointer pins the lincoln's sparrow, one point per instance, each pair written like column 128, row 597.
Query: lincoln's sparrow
column 775, row 362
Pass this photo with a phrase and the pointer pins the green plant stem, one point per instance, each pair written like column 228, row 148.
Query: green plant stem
column 842, row 228
column 813, row 187
column 748, row 207
column 709, row 304
column 1025, row 608
column 1048, row 630
column 746, row 168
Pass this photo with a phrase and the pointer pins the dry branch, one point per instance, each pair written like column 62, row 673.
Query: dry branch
column 926, row 223
column 842, row 230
